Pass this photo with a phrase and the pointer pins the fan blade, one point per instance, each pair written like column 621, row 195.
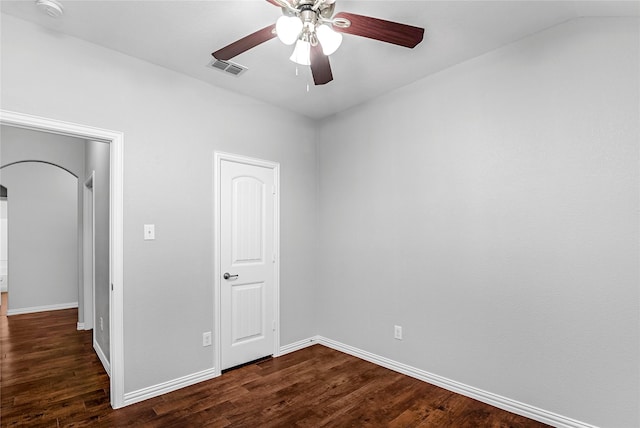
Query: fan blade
column 320, row 67
column 273, row 2
column 245, row 43
column 379, row 29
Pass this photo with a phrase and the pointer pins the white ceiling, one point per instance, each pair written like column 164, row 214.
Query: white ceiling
column 180, row 35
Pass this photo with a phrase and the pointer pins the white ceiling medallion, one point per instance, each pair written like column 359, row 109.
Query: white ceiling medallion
column 51, row 8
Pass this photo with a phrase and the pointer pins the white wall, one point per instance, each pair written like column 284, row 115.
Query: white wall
column 66, row 152
column 97, row 160
column 43, row 236
column 19, row 144
column 492, row 211
column 171, row 128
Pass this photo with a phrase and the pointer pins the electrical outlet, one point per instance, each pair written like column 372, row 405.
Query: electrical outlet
column 206, row 338
column 101, row 324
column 397, row 332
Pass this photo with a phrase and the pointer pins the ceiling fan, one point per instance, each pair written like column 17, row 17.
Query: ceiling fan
column 312, row 27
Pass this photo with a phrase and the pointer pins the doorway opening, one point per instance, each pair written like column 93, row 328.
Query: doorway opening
column 41, row 235
column 115, row 140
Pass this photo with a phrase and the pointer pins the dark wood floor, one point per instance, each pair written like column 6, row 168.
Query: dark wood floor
column 50, row 377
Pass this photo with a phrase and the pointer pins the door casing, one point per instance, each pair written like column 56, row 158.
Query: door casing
column 219, row 157
column 88, row 251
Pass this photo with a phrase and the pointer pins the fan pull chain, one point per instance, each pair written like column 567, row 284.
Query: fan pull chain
column 297, row 73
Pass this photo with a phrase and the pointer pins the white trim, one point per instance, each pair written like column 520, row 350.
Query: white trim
column 103, row 358
column 80, row 326
column 296, row 346
column 276, row 253
column 217, row 316
column 169, row 386
column 116, row 270
column 88, row 251
column 45, row 308
column 495, row 400
column 217, row 322
column 116, row 234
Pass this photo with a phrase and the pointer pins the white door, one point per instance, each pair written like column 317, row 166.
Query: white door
column 247, row 267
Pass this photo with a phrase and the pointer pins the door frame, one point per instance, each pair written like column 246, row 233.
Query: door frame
column 219, row 157
column 115, row 139
column 89, row 252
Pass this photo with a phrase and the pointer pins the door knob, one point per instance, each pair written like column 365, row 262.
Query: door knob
column 229, row 276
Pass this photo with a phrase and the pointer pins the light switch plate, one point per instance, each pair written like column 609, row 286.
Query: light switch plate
column 206, row 338
column 397, row 332
column 149, row 232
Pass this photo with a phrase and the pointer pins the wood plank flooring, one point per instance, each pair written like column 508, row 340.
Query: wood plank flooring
column 50, row 377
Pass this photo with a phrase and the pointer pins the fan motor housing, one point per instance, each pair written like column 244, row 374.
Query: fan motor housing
column 325, row 10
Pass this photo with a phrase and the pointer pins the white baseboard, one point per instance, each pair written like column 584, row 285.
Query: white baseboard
column 166, row 387
column 495, row 400
column 46, row 308
column 172, row 385
column 490, row 398
column 80, row 326
column 102, row 357
column 296, row 346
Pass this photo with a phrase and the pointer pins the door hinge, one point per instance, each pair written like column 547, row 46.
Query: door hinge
column 273, row 190
column 273, row 325
column 112, row 286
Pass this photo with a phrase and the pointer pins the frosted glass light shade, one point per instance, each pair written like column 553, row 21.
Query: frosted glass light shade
column 302, row 53
column 288, row 29
column 329, row 39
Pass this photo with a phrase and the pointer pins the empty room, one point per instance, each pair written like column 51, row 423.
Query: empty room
column 320, row 213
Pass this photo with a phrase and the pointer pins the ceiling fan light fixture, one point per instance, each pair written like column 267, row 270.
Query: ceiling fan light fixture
column 288, row 29
column 302, row 53
column 329, row 40
column 317, row 33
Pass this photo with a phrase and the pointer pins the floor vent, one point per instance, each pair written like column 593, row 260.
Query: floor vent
column 227, row 67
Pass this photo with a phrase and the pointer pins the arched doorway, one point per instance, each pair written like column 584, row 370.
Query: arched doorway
column 42, row 262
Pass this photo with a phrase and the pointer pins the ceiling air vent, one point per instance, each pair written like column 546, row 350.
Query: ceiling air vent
column 228, row 67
